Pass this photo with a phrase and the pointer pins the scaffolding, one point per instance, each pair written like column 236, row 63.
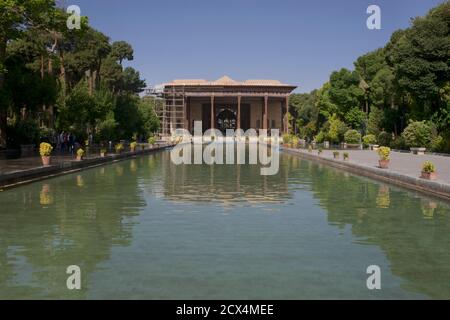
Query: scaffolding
column 172, row 114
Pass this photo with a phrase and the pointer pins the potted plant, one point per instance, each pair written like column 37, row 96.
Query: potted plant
column 336, row 154
column 80, row 154
column 151, row 141
column 133, row 146
column 345, row 156
column 310, row 149
column 286, row 140
column 428, row 171
column 102, row 152
column 119, row 148
column 45, row 150
column 370, row 141
column 142, row 147
column 385, row 157
column 319, row 151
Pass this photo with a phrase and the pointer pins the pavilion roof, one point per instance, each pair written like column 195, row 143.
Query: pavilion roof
column 227, row 81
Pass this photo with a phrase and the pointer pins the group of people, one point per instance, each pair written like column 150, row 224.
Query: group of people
column 66, row 142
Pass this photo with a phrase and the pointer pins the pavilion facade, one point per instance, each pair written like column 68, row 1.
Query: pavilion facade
column 225, row 104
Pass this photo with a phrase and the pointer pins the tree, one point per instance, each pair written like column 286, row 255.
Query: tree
column 345, row 92
column 420, row 58
column 15, row 17
column 122, row 50
column 131, row 81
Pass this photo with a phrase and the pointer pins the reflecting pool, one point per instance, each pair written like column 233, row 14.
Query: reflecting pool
column 145, row 228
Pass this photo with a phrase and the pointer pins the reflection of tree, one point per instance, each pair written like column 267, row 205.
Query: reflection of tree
column 413, row 233
column 74, row 219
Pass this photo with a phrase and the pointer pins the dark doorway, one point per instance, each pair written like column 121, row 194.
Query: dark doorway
column 206, row 117
column 226, row 119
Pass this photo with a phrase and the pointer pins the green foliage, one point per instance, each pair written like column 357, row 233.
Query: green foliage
column 356, row 118
column 428, row 167
column 23, row 132
column 418, row 134
column 336, row 154
column 375, row 121
column 399, row 143
column 122, row 50
column 287, row 138
column 345, row 92
column 384, row 153
column 152, row 140
column 80, row 152
column 384, row 139
column 337, row 130
column 45, row 149
column 346, row 155
column 369, row 139
column 352, row 137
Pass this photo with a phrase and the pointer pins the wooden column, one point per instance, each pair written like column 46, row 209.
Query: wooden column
column 213, row 117
column 185, row 117
column 239, row 112
column 266, row 113
column 286, row 118
column 188, row 108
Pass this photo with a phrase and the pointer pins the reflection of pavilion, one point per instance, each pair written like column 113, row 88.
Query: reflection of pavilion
column 228, row 184
column 225, row 104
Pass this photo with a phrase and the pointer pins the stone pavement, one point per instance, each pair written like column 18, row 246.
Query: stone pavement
column 403, row 163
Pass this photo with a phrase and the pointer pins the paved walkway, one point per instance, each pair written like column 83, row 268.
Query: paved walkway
column 402, row 163
column 21, row 164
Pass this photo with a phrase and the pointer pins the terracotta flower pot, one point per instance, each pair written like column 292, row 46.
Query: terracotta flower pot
column 384, row 164
column 45, row 161
column 429, row 175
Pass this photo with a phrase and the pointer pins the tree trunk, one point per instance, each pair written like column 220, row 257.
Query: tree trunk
column 3, row 107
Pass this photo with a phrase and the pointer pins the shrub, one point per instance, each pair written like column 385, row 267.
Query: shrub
column 80, row 152
column 369, row 139
column 321, row 137
column 152, row 140
column 133, row 145
column 384, row 153
column 384, row 139
column 294, row 141
column 418, row 134
column 119, row 147
column 352, row 137
column 310, row 148
column 438, row 144
column 399, row 143
column 320, row 150
column 428, row 167
column 346, row 155
column 337, row 129
column 45, row 149
column 103, row 150
column 336, row 154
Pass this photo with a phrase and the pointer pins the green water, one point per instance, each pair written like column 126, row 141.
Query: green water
column 145, row 228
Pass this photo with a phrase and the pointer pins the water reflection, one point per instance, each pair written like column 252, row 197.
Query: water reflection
column 113, row 220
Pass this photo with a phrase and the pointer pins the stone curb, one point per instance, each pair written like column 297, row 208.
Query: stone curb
column 435, row 188
column 17, row 178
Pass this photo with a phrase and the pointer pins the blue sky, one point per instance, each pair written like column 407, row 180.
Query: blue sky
column 296, row 41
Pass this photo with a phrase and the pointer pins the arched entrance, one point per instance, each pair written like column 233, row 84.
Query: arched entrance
column 226, row 119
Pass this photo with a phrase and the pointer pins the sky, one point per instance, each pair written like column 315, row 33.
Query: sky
column 299, row 42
